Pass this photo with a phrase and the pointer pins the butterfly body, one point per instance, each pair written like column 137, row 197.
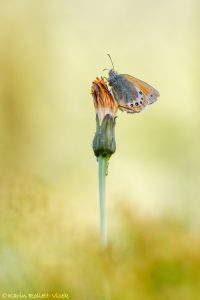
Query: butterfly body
column 132, row 94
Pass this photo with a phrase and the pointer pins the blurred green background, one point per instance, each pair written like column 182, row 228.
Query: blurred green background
column 50, row 52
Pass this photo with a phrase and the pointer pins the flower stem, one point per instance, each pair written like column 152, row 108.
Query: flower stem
column 103, row 164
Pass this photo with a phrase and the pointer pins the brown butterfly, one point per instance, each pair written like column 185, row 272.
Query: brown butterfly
column 132, row 94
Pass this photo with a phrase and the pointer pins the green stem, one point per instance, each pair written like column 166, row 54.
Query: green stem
column 103, row 163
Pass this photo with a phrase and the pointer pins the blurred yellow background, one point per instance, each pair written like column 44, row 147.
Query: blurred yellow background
column 50, row 52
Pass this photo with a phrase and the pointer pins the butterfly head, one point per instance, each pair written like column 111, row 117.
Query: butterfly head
column 112, row 74
column 112, row 77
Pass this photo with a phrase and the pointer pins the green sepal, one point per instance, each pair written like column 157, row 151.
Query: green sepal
column 104, row 140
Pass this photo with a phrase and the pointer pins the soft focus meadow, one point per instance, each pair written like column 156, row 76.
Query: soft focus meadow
column 50, row 52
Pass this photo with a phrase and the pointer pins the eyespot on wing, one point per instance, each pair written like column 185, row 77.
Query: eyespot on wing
column 133, row 106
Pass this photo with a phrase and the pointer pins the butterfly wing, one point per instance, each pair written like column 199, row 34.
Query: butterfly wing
column 150, row 93
column 128, row 96
column 132, row 94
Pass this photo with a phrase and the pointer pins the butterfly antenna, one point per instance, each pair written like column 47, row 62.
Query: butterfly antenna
column 111, row 60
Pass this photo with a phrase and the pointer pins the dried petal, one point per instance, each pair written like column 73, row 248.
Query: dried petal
column 104, row 103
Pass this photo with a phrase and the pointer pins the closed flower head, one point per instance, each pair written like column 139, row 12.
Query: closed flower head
column 106, row 108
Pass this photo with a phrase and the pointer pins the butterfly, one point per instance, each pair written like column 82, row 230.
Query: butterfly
column 131, row 94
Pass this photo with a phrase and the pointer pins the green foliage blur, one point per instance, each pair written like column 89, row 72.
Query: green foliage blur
column 50, row 52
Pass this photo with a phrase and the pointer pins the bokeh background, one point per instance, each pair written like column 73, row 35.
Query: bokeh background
column 50, row 52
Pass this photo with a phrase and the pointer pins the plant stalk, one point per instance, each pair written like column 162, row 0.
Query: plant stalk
column 102, row 163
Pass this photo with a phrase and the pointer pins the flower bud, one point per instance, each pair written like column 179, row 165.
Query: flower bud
column 106, row 109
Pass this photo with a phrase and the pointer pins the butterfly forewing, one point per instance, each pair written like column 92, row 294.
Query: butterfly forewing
column 151, row 93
